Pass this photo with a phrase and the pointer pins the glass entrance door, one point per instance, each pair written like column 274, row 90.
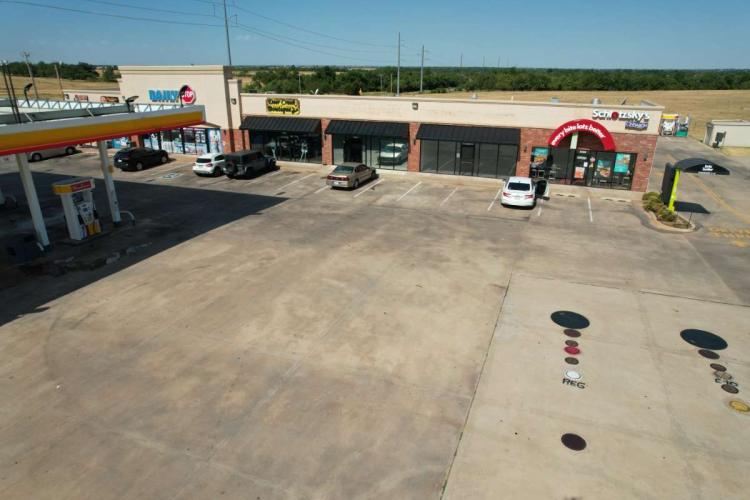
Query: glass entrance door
column 353, row 149
column 580, row 167
column 466, row 165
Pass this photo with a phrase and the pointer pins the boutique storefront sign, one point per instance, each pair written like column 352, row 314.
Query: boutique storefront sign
column 280, row 106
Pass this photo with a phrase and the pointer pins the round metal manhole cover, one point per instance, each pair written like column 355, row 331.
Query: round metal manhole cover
column 730, row 389
column 571, row 361
column 572, row 350
column 703, row 339
column 573, row 375
column 570, row 319
column 572, row 333
column 719, row 368
column 571, row 343
column 706, row 353
column 739, row 406
column 573, row 441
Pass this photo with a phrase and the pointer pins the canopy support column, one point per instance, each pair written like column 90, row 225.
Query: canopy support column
column 31, row 198
column 109, row 184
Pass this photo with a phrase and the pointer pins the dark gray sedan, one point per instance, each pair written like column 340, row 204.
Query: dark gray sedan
column 350, row 175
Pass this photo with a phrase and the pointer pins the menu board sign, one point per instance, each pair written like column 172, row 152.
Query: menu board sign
column 622, row 163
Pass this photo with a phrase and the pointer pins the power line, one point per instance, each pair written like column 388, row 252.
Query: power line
column 151, row 9
column 103, row 14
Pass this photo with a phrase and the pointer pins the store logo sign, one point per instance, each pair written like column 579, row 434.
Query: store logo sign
column 632, row 116
column 280, row 106
column 582, row 126
column 188, row 96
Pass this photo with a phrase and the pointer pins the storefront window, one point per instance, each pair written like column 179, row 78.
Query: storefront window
column 376, row 151
column 468, row 158
column 429, row 157
column 508, row 159
column 446, row 157
column 488, row 156
column 286, row 146
column 583, row 167
column 189, row 140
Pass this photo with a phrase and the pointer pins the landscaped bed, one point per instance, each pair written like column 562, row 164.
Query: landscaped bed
column 652, row 203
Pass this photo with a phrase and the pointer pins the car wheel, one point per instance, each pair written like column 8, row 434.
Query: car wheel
column 70, row 150
column 217, row 172
column 164, row 159
column 36, row 157
column 356, row 183
column 139, row 166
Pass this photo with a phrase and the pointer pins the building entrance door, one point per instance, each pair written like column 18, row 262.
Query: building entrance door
column 466, row 165
column 353, row 149
column 581, row 167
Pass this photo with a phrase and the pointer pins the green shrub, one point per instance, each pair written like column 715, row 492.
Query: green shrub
column 653, row 205
column 652, row 195
column 666, row 215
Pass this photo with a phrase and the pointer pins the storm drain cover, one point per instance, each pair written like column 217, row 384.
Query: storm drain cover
column 572, row 350
column 573, row 441
column 708, row 354
column 730, row 389
column 571, row 343
column 572, row 333
column 703, row 339
column 739, row 406
column 719, row 368
column 573, row 375
column 570, row 319
column 571, row 361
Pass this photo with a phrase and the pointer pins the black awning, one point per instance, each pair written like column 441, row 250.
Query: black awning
column 384, row 129
column 281, row 124
column 700, row 166
column 459, row 133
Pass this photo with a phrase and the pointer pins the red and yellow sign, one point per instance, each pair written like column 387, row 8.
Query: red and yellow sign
column 585, row 126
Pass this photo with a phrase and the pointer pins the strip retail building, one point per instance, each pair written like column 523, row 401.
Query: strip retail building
column 598, row 145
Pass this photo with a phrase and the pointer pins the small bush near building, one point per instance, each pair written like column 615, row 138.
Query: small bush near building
column 652, row 203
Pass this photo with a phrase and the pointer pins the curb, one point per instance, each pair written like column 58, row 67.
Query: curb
column 656, row 224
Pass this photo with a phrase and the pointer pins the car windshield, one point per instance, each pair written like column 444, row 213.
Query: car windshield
column 343, row 170
column 203, row 160
column 519, row 186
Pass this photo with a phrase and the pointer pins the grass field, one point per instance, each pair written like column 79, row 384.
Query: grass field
column 49, row 88
column 701, row 105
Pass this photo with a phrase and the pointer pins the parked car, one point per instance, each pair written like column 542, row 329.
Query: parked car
column 523, row 192
column 43, row 154
column 138, row 158
column 247, row 163
column 393, row 154
column 350, row 175
column 211, row 164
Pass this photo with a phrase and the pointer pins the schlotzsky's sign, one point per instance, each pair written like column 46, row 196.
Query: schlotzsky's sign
column 280, row 106
column 634, row 120
column 585, row 126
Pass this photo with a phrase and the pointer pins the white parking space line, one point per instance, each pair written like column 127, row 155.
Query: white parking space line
column 321, row 189
column 294, row 182
column 415, row 186
column 539, row 213
column 449, row 196
column 368, row 188
column 591, row 213
column 495, row 199
column 264, row 177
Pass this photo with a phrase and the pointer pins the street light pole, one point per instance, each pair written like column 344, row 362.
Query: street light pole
column 421, row 71
column 31, row 73
column 59, row 81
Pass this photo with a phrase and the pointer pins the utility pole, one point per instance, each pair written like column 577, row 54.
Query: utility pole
column 299, row 79
column 59, row 81
column 461, row 63
column 482, row 61
column 498, row 62
column 421, row 72
column 226, row 30
column 398, row 67
column 381, row 83
column 31, row 73
column 391, row 92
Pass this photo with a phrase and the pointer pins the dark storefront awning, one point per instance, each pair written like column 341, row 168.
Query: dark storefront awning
column 700, row 166
column 281, row 124
column 457, row 133
column 383, row 129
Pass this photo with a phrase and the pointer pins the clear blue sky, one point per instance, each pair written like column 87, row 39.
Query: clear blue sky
column 529, row 33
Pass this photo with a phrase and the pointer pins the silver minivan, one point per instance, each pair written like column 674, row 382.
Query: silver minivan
column 43, row 154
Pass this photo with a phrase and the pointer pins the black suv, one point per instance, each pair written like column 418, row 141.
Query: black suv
column 137, row 158
column 247, row 163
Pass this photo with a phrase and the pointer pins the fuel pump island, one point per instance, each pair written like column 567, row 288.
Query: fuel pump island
column 79, row 208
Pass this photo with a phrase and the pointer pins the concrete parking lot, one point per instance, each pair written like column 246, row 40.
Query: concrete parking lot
column 277, row 339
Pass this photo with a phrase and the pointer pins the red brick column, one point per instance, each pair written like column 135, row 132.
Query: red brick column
column 327, row 142
column 530, row 137
column 135, row 141
column 415, row 147
column 233, row 140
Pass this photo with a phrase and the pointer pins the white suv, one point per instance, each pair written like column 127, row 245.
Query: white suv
column 209, row 164
column 523, row 192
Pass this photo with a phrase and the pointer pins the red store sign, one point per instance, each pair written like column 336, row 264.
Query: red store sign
column 585, row 126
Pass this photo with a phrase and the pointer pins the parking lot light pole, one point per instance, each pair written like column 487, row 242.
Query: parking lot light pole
column 109, row 184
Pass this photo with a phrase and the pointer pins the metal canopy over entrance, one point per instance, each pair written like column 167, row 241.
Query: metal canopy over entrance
column 281, row 124
column 376, row 129
column 42, row 130
column 457, row 133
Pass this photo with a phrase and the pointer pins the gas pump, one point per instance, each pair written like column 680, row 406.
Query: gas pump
column 79, row 208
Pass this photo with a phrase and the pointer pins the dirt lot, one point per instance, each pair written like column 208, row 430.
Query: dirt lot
column 49, row 88
column 277, row 339
column 701, row 105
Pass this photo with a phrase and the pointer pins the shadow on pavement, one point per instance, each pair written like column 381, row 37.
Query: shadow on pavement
column 165, row 216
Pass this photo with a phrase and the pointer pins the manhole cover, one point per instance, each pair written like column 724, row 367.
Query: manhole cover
column 572, row 350
column 573, row 441
column 708, row 354
column 703, row 339
column 571, row 361
column 572, row 333
column 739, row 406
column 730, row 389
column 573, row 375
column 569, row 319
column 719, row 368
column 571, row 343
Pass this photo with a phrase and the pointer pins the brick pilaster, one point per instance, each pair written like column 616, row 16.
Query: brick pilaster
column 327, row 142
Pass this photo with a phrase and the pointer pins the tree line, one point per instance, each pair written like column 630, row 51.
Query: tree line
column 352, row 81
column 78, row 71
